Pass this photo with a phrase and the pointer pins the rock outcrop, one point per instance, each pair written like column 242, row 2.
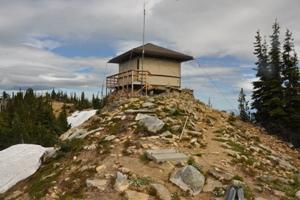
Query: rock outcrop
column 107, row 156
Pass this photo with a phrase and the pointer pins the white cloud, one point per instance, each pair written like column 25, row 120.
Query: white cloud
column 23, row 66
column 211, row 29
column 42, row 44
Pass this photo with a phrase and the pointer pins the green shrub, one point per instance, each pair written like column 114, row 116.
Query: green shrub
column 232, row 117
column 190, row 161
column 140, row 181
column 176, row 112
column 152, row 191
column 144, row 159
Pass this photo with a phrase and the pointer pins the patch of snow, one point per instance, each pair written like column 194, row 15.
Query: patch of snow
column 19, row 162
column 78, row 118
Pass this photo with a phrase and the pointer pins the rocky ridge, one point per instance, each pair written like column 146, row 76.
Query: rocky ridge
column 104, row 158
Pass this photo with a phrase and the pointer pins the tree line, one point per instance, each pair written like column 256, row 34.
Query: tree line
column 29, row 118
column 276, row 92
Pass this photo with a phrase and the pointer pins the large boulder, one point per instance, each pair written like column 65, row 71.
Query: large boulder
column 188, row 178
column 153, row 124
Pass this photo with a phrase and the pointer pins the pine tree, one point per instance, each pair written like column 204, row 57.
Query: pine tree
column 260, row 86
column 209, row 103
column 5, row 138
column 17, row 129
column 62, row 121
column 53, row 94
column 291, row 79
column 274, row 102
column 243, row 107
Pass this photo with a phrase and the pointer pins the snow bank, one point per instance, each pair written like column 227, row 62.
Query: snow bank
column 19, row 162
column 78, row 118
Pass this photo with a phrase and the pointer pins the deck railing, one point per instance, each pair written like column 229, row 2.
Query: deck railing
column 128, row 81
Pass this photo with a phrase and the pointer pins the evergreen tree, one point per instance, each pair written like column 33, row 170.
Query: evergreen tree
column 274, row 102
column 260, row 86
column 62, row 121
column 5, row 138
column 96, row 102
column 53, row 94
column 17, row 129
column 291, row 79
column 243, row 107
column 209, row 103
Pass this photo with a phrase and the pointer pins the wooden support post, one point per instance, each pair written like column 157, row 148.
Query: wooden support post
column 105, row 87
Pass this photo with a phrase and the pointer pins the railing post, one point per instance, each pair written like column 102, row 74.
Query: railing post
column 132, row 72
column 146, row 85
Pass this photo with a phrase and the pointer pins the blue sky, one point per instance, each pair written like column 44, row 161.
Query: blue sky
column 66, row 44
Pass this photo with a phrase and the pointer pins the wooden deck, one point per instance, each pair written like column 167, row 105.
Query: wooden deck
column 128, row 81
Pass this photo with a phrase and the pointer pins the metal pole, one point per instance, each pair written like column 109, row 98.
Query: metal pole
column 143, row 46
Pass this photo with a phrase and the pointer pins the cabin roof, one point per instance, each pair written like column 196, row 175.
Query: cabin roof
column 151, row 50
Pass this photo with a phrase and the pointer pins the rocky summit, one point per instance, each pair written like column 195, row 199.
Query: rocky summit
column 167, row 146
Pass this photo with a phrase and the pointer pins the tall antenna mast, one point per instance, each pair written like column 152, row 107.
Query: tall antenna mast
column 143, row 52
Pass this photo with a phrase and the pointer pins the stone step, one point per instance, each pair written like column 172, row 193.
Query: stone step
column 162, row 155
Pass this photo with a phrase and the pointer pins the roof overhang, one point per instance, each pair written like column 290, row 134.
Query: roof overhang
column 151, row 51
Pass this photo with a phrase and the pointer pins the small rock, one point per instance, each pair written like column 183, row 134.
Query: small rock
column 168, row 119
column 166, row 133
column 211, row 185
column 133, row 195
column 196, row 117
column 279, row 193
column 220, row 175
column 167, row 166
column 259, row 198
column 196, row 133
column 99, row 183
column 109, row 138
column 101, row 168
column 237, row 182
column 151, row 100
column 148, row 105
column 56, row 165
column 257, row 149
column 121, row 182
column 90, row 147
column 108, row 176
column 175, row 127
column 162, row 192
column 297, row 195
column 140, row 116
column 124, row 170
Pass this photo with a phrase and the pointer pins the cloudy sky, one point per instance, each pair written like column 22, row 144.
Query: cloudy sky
column 65, row 44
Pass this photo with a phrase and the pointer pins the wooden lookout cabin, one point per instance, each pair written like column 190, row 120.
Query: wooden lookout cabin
column 158, row 67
